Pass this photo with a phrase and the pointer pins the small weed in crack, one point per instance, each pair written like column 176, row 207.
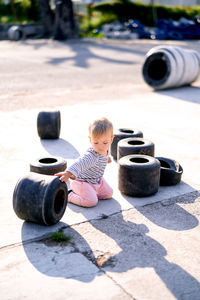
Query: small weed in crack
column 58, row 238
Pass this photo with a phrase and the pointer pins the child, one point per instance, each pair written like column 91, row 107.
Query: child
column 88, row 184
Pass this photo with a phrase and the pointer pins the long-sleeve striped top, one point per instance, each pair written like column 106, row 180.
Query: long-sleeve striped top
column 90, row 167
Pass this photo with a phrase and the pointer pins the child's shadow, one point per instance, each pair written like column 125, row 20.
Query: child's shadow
column 138, row 250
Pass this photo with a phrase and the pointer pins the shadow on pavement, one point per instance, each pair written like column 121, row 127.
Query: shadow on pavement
column 60, row 147
column 168, row 214
column 83, row 53
column 56, row 260
column 137, row 250
column 187, row 93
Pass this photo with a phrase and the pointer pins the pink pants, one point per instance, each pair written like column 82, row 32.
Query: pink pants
column 87, row 194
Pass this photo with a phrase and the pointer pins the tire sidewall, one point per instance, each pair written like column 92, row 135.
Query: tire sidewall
column 123, row 133
column 125, row 148
column 172, row 173
column 38, row 166
column 138, row 179
column 50, row 215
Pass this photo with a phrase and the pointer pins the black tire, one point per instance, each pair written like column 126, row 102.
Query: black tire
column 135, row 146
column 48, row 165
column 139, row 175
column 40, row 199
column 48, row 124
column 123, row 133
column 170, row 171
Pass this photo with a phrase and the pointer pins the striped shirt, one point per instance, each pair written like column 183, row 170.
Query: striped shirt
column 89, row 167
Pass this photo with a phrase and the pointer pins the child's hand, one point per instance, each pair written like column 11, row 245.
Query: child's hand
column 109, row 160
column 64, row 176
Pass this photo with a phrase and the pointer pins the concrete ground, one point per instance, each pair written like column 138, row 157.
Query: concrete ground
column 124, row 248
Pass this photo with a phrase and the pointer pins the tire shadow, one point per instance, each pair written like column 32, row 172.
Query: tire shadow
column 58, row 259
column 169, row 214
column 60, row 147
column 166, row 212
column 186, row 93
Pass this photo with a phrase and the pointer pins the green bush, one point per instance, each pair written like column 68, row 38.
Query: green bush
column 19, row 11
column 96, row 20
column 125, row 10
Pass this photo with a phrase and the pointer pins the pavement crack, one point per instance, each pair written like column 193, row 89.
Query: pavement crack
column 99, row 259
column 121, row 287
column 104, row 259
column 90, row 256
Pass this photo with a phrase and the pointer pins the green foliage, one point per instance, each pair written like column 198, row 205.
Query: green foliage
column 60, row 237
column 6, row 19
column 125, row 10
column 96, row 20
column 19, row 11
column 175, row 13
column 24, row 4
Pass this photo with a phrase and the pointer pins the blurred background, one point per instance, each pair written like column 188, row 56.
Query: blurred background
column 123, row 19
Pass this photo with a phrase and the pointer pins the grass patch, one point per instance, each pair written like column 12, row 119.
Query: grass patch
column 60, row 237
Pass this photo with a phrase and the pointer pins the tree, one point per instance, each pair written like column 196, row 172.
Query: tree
column 59, row 24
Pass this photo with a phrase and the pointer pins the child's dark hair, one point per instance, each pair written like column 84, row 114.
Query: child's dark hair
column 100, row 126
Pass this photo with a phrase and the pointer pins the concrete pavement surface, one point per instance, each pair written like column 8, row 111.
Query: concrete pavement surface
column 125, row 247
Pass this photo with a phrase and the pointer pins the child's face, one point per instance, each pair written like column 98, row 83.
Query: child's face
column 101, row 144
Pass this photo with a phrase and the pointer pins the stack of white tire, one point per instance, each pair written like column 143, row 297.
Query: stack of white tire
column 170, row 67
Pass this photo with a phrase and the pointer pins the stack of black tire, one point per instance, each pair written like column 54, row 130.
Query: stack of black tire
column 40, row 197
column 140, row 173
